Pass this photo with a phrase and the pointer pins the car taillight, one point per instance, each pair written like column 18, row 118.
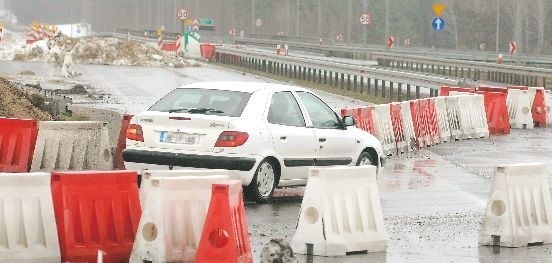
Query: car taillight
column 134, row 132
column 231, row 139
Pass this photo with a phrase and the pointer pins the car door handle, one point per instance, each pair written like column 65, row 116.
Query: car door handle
column 322, row 139
column 283, row 138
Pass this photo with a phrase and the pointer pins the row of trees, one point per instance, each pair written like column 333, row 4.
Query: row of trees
column 470, row 24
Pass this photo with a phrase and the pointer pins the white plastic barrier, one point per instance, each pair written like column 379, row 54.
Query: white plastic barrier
column 408, row 125
column 172, row 219
column 148, row 175
column 519, row 211
column 72, row 145
column 453, row 113
column 384, row 128
column 472, row 117
column 519, row 109
column 192, row 50
column 340, row 213
column 27, row 222
column 442, row 118
column 478, row 116
column 548, row 105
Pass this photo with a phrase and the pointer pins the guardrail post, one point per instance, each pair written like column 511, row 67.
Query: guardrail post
column 361, row 85
column 383, row 88
column 336, row 79
column 369, row 84
column 348, row 82
column 342, row 80
column 325, row 76
column 376, row 87
column 391, row 86
column 432, row 68
column 399, row 93
column 355, row 83
column 407, row 91
column 417, row 92
column 319, row 76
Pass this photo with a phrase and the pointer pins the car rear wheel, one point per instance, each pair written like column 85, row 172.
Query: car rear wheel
column 262, row 186
column 365, row 159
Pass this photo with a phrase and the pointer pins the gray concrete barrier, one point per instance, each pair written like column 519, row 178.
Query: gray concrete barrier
column 72, row 145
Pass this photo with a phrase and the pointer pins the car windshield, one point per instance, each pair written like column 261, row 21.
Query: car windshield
column 203, row 101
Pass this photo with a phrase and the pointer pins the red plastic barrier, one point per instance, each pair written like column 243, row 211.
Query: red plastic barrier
column 398, row 129
column 363, row 118
column 493, row 89
column 417, row 120
column 496, row 111
column 96, row 211
column 225, row 237
column 433, row 124
column 539, row 109
column 169, row 46
column 207, row 51
column 517, row 87
column 118, row 162
column 17, row 143
column 445, row 90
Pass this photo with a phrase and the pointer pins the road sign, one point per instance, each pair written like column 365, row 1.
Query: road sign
column 390, row 42
column 365, row 19
column 195, row 25
column 438, row 24
column 182, row 14
column 258, row 22
column 438, row 9
column 206, row 21
column 512, row 47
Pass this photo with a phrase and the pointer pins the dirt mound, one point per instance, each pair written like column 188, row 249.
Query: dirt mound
column 17, row 102
column 113, row 51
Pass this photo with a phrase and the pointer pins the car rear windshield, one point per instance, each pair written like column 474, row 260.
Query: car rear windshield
column 203, row 101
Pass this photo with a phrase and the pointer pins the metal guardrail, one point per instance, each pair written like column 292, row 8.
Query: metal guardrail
column 414, row 79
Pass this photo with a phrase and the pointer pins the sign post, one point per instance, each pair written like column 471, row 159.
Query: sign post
column 438, row 23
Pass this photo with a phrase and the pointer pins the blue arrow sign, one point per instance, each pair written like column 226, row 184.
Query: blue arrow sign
column 438, row 24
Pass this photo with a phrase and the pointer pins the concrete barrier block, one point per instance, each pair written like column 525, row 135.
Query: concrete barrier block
column 519, row 210
column 340, row 213
column 27, row 222
column 72, row 145
column 173, row 216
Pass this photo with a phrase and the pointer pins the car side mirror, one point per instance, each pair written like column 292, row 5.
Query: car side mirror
column 348, row 121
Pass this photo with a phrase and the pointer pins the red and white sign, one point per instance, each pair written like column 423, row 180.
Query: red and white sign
column 512, row 47
column 182, row 14
column 195, row 25
column 390, row 42
column 365, row 19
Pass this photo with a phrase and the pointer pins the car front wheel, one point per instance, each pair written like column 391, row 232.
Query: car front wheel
column 365, row 159
column 262, row 186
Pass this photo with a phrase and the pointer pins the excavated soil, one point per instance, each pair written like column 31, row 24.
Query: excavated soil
column 17, row 102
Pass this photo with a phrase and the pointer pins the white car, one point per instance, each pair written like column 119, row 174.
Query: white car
column 268, row 135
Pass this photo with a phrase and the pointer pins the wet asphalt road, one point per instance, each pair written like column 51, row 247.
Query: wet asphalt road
column 433, row 200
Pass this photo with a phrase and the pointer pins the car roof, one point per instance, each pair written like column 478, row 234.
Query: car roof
column 241, row 86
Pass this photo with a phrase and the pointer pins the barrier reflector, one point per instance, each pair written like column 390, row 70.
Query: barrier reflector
column 453, row 113
column 408, row 126
column 96, row 211
column 72, row 145
column 442, row 118
column 173, row 215
column 27, row 222
column 384, row 128
column 519, row 109
column 17, row 143
column 118, row 162
column 148, row 175
column 398, row 130
column 497, row 112
column 538, row 107
column 225, row 237
column 548, row 103
column 519, row 210
column 341, row 212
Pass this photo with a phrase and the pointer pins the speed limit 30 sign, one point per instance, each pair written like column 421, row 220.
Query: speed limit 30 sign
column 182, row 14
column 365, row 19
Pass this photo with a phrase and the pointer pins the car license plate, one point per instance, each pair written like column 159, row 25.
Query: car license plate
column 179, row 138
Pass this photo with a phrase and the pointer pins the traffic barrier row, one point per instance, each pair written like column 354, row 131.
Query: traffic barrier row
column 29, row 145
column 340, row 213
column 405, row 126
column 99, row 213
column 519, row 210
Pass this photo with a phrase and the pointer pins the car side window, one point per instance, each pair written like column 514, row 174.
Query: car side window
column 321, row 115
column 284, row 110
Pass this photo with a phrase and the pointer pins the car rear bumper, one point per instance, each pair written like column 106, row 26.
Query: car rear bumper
column 237, row 163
